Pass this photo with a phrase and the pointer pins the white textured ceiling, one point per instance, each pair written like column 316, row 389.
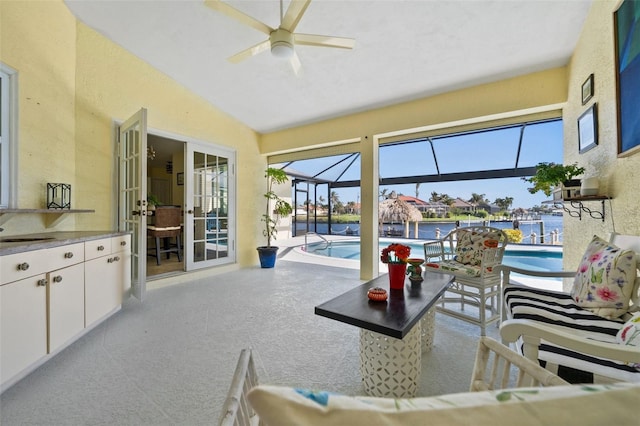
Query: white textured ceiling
column 404, row 50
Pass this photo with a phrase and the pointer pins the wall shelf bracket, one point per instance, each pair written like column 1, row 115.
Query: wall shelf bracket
column 577, row 207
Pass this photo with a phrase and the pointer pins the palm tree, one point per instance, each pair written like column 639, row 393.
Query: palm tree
column 383, row 193
column 335, row 202
column 504, row 203
column 476, row 199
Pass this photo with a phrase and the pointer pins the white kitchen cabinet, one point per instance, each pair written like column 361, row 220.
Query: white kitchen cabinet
column 66, row 305
column 50, row 297
column 107, row 278
column 23, row 324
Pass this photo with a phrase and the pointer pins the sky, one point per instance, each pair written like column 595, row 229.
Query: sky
column 495, row 149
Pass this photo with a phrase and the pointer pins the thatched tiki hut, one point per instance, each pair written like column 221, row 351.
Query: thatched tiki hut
column 395, row 210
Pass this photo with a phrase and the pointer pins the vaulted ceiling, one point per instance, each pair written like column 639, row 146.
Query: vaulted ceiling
column 404, row 50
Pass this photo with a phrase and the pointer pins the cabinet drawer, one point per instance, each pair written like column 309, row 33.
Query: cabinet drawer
column 121, row 243
column 22, row 265
column 96, row 248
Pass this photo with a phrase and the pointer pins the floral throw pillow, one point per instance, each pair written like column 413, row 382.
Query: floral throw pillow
column 629, row 334
column 605, row 279
column 470, row 246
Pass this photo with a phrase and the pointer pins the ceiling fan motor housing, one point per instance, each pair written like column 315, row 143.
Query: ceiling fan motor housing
column 281, row 43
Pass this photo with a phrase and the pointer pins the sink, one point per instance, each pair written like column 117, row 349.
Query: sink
column 24, row 240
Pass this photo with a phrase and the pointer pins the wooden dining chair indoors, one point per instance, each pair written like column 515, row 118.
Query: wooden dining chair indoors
column 166, row 226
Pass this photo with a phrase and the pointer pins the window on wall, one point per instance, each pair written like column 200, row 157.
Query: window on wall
column 8, row 84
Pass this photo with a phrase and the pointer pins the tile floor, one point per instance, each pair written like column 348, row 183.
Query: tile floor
column 170, row 359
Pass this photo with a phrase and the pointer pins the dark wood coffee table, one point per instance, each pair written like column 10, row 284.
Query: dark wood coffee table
column 391, row 331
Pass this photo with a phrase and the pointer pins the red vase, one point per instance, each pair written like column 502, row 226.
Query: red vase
column 397, row 274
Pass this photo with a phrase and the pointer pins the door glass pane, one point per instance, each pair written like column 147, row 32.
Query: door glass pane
column 211, row 207
column 132, row 193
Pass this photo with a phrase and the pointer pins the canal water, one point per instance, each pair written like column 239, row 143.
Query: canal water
column 428, row 230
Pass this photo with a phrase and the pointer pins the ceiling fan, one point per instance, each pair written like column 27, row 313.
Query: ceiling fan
column 283, row 39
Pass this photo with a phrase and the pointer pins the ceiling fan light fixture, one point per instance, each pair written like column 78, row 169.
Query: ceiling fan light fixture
column 281, row 44
column 282, row 50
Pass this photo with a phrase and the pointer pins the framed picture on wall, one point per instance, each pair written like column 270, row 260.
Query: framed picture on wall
column 587, row 89
column 180, row 178
column 626, row 22
column 588, row 130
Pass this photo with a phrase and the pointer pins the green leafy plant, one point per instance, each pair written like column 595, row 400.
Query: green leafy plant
column 152, row 200
column 280, row 207
column 550, row 175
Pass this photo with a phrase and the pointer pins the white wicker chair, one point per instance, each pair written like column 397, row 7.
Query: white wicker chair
column 508, row 369
column 476, row 284
column 548, row 326
column 236, row 409
column 496, row 367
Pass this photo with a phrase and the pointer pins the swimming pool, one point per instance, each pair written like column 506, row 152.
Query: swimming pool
column 537, row 258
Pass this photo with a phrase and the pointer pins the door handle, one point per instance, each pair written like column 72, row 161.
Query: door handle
column 190, row 211
column 135, row 212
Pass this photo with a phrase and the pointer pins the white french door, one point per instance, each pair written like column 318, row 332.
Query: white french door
column 132, row 214
column 209, row 222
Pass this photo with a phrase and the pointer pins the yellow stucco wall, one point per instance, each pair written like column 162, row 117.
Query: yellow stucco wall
column 38, row 40
column 619, row 177
column 73, row 84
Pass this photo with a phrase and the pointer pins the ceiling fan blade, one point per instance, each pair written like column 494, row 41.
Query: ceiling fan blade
column 252, row 51
column 294, row 14
column 241, row 17
column 295, row 63
column 324, row 41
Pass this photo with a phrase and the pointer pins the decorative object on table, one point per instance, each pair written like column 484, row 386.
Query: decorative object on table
column 377, row 294
column 414, row 270
column 588, row 129
column 59, row 196
column 395, row 256
column 587, row 89
column 280, row 208
column 626, row 24
column 556, row 178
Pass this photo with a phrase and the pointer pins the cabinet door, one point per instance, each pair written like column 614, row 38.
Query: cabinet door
column 23, row 325
column 102, row 287
column 123, row 262
column 66, row 305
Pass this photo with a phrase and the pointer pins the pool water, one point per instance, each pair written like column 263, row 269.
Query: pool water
column 537, row 260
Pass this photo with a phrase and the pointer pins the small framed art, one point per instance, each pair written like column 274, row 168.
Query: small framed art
column 587, row 89
column 588, row 129
column 180, row 178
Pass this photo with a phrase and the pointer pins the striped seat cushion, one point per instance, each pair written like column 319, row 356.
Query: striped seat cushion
column 558, row 309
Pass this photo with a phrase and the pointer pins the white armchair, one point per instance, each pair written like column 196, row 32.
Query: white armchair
column 566, row 338
column 471, row 254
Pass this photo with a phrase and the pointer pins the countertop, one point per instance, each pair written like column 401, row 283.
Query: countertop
column 54, row 239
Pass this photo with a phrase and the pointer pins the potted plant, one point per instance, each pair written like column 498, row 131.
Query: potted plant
column 550, row 176
column 275, row 209
column 152, row 202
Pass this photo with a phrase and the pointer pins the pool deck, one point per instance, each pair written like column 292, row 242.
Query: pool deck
column 292, row 249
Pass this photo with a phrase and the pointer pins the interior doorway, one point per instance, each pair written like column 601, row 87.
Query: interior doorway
column 165, row 183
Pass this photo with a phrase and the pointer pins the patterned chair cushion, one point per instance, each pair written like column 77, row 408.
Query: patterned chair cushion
column 471, row 244
column 559, row 309
column 279, row 405
column 605, row 279
column 455, row 268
